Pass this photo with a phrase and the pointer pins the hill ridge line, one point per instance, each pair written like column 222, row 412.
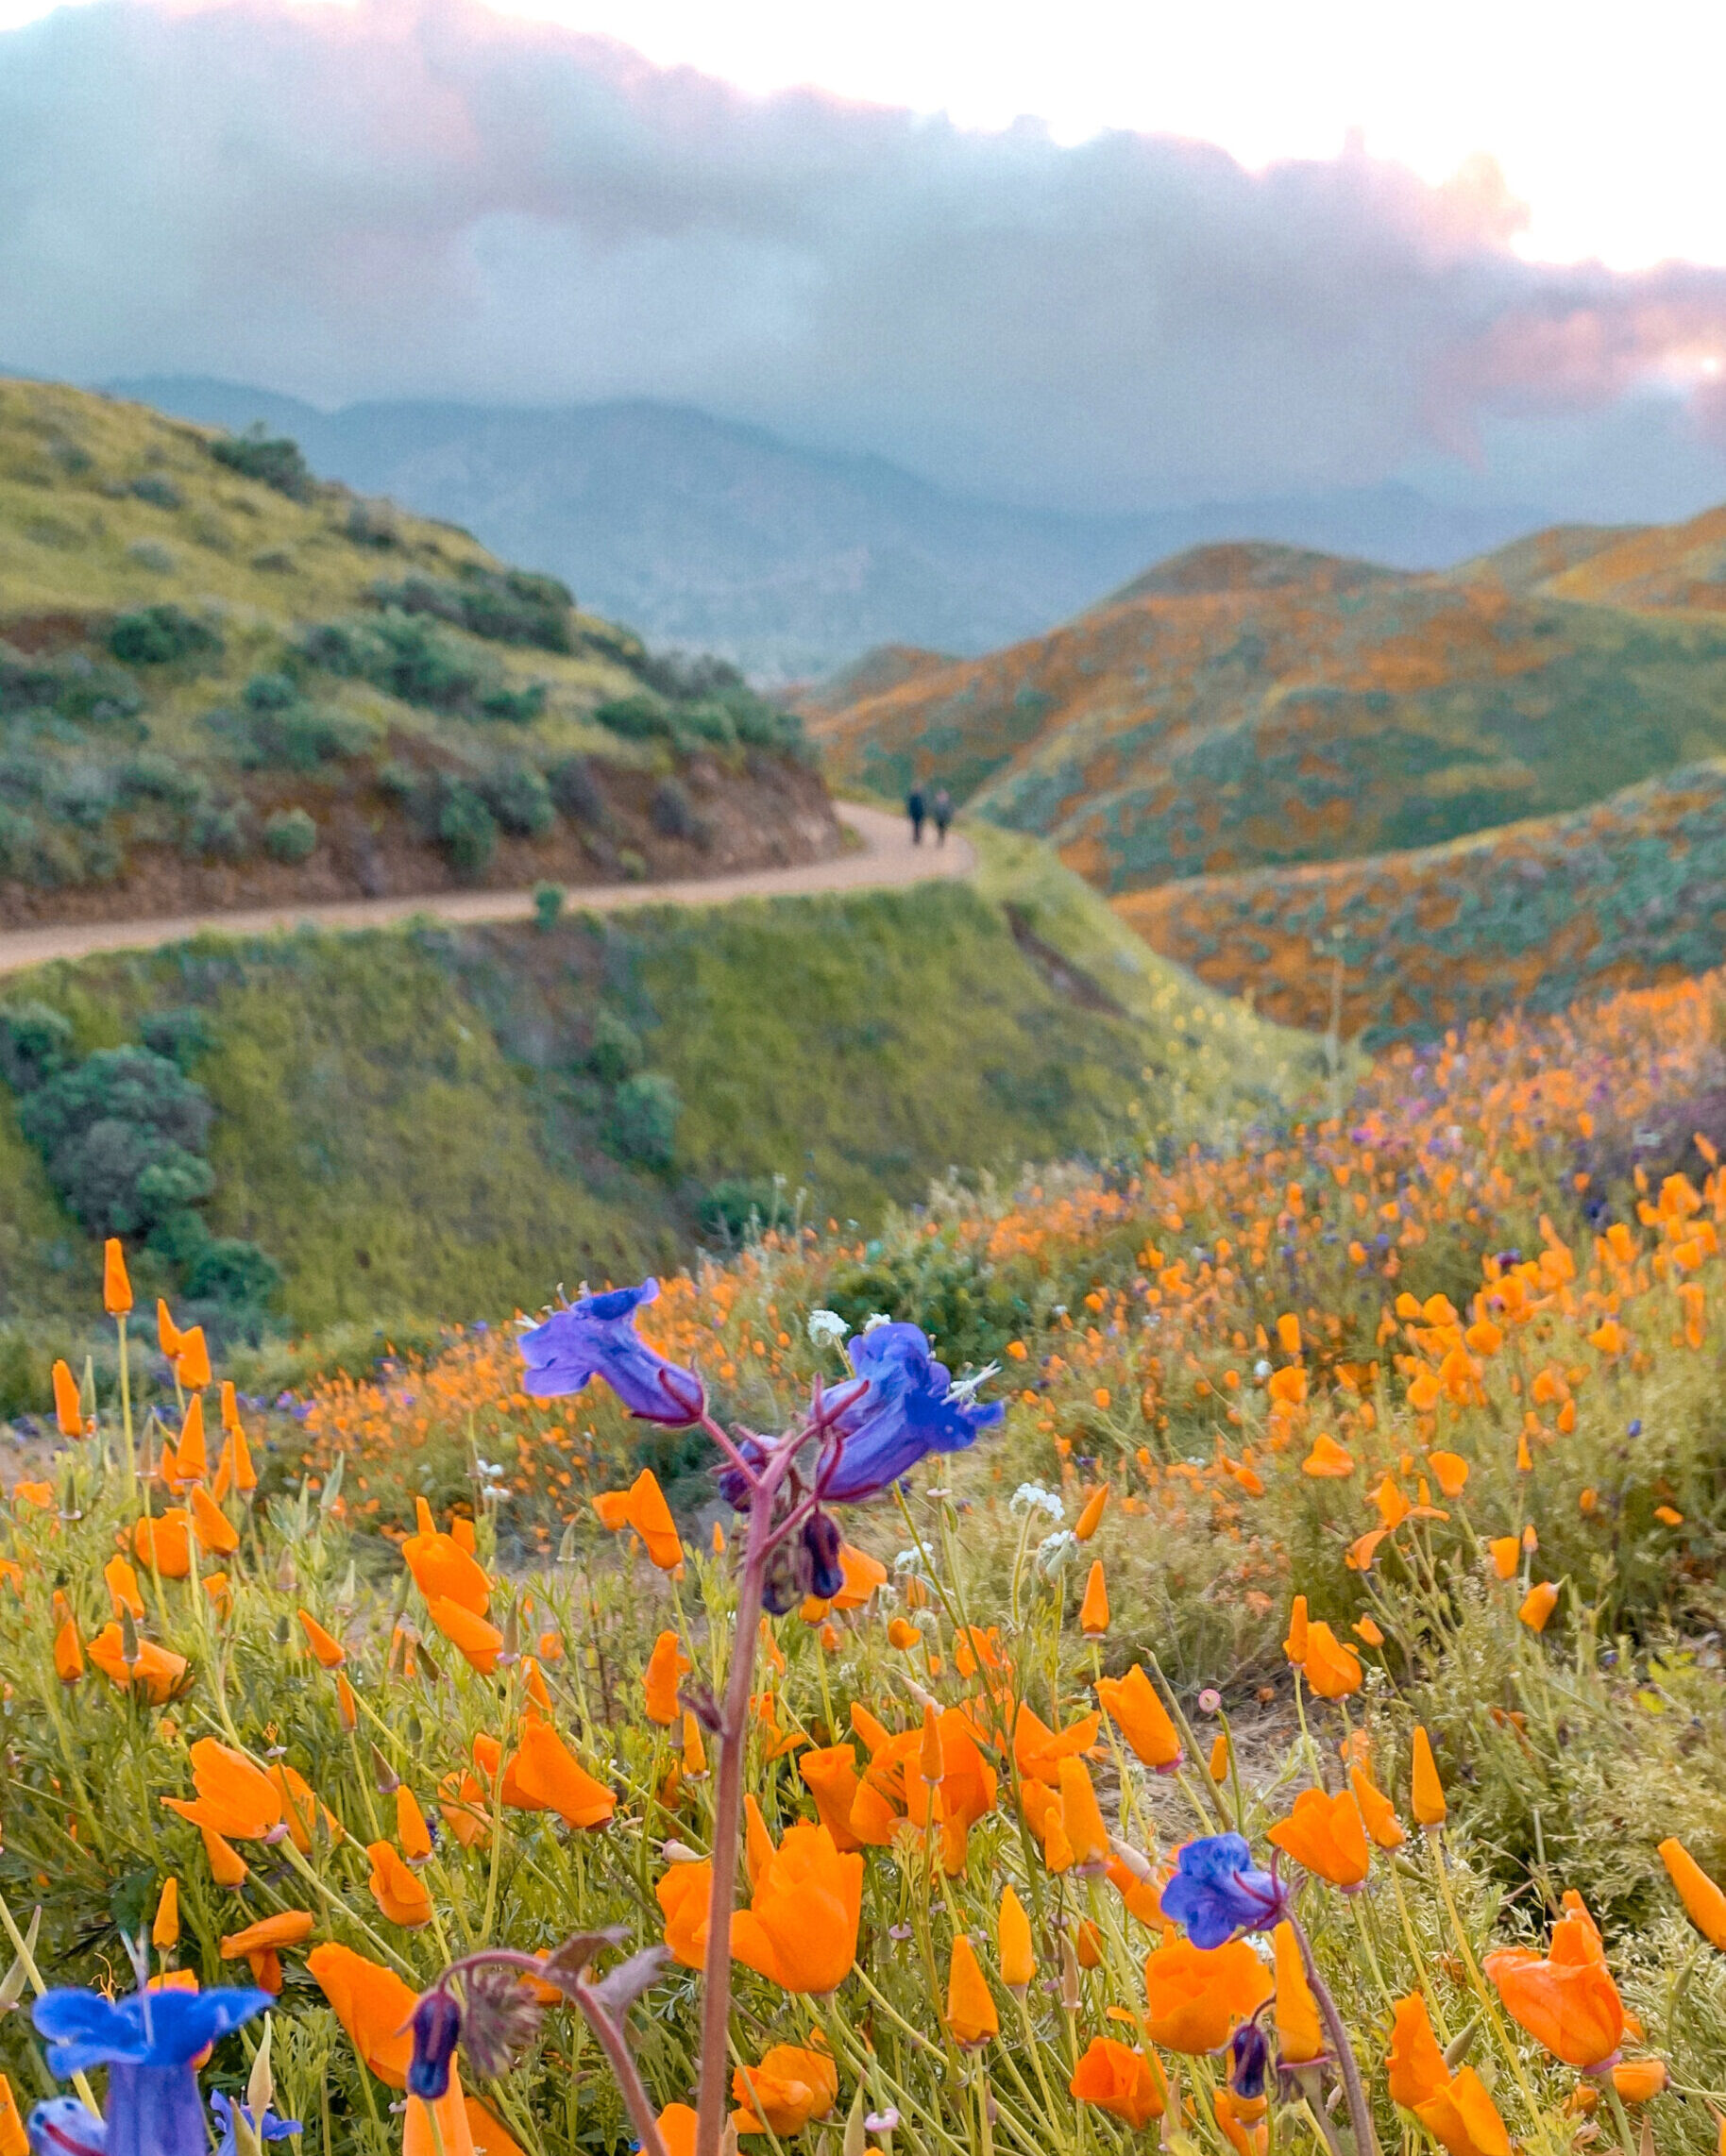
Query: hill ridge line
column 886, row 859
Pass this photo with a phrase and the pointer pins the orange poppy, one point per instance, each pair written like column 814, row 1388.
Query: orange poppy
column 1427, row 1802
column 375, row 2008
column 832, row 1776
column 190, row 1459
column 970, row 2006
column 1640, row 2080
column 801, row 1928
column 643, row 1506
column 1013, row 1942
column 684, row 1894
column 156, row 1669
column 677, row 2125
column 1093, row 1610
column 1080, row 1817
column 328, row 1650
column 1506, row 1554
column 1455, row 2109
column 164, row 1930
column 164, row 1543
column 1326, row 1835
column 1300, row 2029
column 1140, row 1715
column 68, row 1408
column 116, row 1287
column 1564, row 1999
column 1451, row 1469
column 1090, row 1516
column 475, row 1638
column 260, row 1945
column 214, row 1530
column 788, row 2089
column 234, row 1799
column 14, row 2141
column 665, row 1665
column 1538, row 1605
column 399, row 1893
column 410, row 1828
column 1377, row 1810
column 1704, row 1904
column 444, row 1570
column 67, row 1647
column 548, row 1776
column 1195, row 1996
column 1038, row 1750
column 1331, row 1668
column 1327, row 1462
column 300, row 1808
column 1120, row 2081
column 228, row 1867
column 1294, row 1647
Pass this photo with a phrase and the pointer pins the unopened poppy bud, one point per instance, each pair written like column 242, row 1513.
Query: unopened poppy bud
column 1069, row 1975
column 388, row 1780
column 855, row 2142
column 436, row 2023
column 1428, row 1792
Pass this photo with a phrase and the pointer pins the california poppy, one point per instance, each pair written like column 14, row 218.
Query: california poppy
column 1538, row 1605
column 399, row 1893
column 970, row 2006
column 215, row 1532
column 260, row 1945
column 1326, row 1835
column 1080, row 1817
column 1332, row 1668
column 328, row 1650
column 832, row 1776
column 164, row 1543
column 1704, row 1904
column 1196, row 1996
column 1140, row 1715
column 1427, row 1797
column 643, row 1506
column 1091, row 1515
column 801, row 1928
column 443, row 1571
column 665, row 1664
column 1120, row 2081
column 1013, row 1943
column 235, row 1797
column 158, row 1669
column 1300, row 2030
column 67, row 1647
column 788, row 2088
column 1456, row 2108
column 1564, row 1999
column 475, row 1638
column 1093, row 1610
column 116, row 1287
column 68, row 1410
column 1377, row 1810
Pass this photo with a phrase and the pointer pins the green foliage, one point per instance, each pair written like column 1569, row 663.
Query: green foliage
column 644, row 1118
column 739, row 1206
column 411, row 657
column 675, row 816
column 160, row 636
column 510, row 607
column 122, row 1135
column 616, row 1052
column 35, row 1044
column 456, row 814
column 290, row 834
column 518, row 797
column 273, row 459
column 548, row 907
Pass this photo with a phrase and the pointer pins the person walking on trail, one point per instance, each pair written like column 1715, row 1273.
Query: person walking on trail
column 944, row 815
column 914, row 808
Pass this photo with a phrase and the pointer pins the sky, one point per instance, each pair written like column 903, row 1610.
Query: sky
column 1094, row 256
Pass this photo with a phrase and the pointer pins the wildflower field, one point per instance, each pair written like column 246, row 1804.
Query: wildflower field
column 1258, row 1689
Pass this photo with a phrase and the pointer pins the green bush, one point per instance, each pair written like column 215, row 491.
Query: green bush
column 616, row 1052
column 640, row 717
column 220, row 831
column 673, row 815
column 742, row 1206
column 235, row 1274
column 35, row 1044
column 271, row 692
column 271, row 459
column 520, row 799
column 412, row 657
column 289, row 834
column 511, row 607
column 122, row 1135
column 160, row 636
column 574, row 791
column 182, row 1035
column 644, row 1118
column 455, row 817
column 548, row 907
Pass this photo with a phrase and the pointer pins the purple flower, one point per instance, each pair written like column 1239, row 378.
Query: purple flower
column 270, row 2129
column 1250, row 2060
column 148, row 2042
column 1215, row 1892
column 437, row 2023
column 596, row 1338
column 64, row 2127
column 909, row 1410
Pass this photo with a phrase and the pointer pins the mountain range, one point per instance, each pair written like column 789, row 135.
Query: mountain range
column 790, row 562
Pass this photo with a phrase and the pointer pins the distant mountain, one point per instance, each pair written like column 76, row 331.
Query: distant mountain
column 1247, row 706
column 789, row 561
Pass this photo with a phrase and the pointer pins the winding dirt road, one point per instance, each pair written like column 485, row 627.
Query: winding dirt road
column 885, row 859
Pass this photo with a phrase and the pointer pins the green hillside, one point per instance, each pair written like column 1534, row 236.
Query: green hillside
column 450, row 1121
column 224, row 682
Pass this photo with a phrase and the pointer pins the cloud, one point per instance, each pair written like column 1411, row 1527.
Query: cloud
column 417, row 198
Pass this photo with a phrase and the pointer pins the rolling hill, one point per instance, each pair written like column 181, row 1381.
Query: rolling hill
column 1493, row 784
column 224, row 682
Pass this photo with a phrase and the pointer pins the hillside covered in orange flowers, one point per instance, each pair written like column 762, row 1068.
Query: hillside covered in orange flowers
column 1249, row 737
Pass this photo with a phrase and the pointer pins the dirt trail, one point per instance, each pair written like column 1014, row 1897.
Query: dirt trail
column 885, row 858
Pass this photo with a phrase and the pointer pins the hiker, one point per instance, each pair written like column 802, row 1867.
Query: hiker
column 944, row 815
column 915, row 810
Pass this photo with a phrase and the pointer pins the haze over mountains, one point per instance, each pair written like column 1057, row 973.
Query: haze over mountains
column 791, row 562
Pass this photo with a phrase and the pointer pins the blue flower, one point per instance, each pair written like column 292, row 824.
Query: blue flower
column 596, row 1338
column 272, row 2128
column 909, row 1410
column 148, row 2043
column 1216, row 1891
column 64, row 2127
column 437, row 2024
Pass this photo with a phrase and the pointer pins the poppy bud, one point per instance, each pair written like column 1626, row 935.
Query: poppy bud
column 437, row 2023
column 821, row 1540
column 1249, row 2058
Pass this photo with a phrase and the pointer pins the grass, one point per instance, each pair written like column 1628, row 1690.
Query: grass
column 409, row 1122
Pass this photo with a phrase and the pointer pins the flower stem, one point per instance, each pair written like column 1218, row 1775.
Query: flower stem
column 727, row 1816
column 1360, row 2111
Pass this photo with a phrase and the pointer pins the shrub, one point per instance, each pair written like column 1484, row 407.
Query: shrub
column 35, row 1044
column 160, row 636
column 182, row 1035
column 235, row 1274
column 271, row 692
column 644, row 1118
column 640, row 717
column 520, row 799
column 289, row 834
column 675, row 816
column 514, row 707
column 372, row 524
column 455, row 817
column 740, row 1205
column 511, row 607
column 548, row 907
column 95, row 696
column 157, row 492
column 156, row 778
column 220, row 831
column 273, row 459
column 616, row 1051
column 122, row 1134
column 574, row 792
